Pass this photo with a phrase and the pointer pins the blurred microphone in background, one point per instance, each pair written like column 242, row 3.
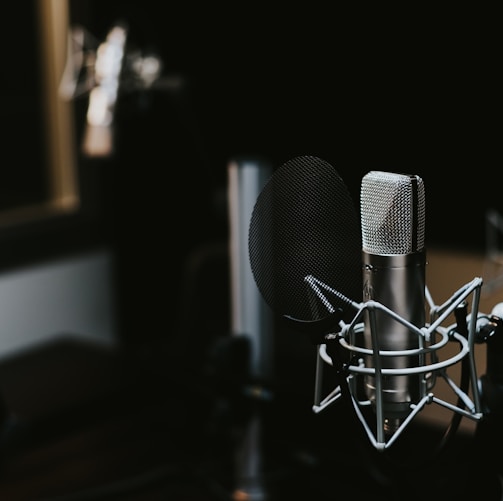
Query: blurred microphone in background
column 98, row 140
column 104, row 70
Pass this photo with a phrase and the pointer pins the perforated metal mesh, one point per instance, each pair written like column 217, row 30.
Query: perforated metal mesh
column 392, row 213
column 304, row 223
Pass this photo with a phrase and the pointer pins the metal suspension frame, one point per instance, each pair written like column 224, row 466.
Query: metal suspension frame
column 428, row 346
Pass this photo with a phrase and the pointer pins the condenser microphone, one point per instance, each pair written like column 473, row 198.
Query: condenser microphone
column 393, row 256
column 307, row 251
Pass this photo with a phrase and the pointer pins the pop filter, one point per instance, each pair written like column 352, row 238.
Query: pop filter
column 304, row 227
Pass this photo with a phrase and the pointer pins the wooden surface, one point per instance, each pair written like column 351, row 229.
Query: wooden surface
column 89, row 423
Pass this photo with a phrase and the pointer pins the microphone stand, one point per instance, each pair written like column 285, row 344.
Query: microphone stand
column 252, row 320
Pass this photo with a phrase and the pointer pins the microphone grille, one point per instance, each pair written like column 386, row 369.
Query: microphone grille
column 392, row 213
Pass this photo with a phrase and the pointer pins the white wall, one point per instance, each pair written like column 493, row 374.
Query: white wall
column 71, row 296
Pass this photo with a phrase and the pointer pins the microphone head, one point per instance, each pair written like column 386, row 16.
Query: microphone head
column 392, row 213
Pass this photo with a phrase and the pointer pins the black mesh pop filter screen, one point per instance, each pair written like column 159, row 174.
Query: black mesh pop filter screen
column 304, row 223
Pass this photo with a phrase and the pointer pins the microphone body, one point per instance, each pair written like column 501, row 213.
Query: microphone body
column 393, row 255
column 397, row 282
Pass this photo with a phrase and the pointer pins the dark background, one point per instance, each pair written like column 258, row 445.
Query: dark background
column 419, row 96
column 362, row 96
column 413, row 92
column 411, row 97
